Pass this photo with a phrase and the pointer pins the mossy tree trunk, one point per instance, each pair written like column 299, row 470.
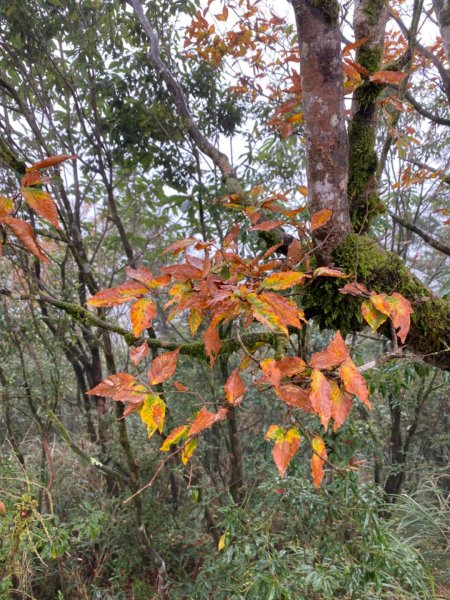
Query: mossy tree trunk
column 354, row 252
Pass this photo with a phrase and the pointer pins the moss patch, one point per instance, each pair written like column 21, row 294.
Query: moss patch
column 382, row 271
column 329, row 9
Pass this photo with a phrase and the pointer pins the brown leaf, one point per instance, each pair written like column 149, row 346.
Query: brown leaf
column 327, row 272
column 295, row 396
column 163, row 367
column 234, row 388
column 354, row 289
column 122, row 387
column 2, row 508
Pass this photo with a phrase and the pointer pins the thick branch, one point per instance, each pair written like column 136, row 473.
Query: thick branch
column 429, row 239
column 203, row 144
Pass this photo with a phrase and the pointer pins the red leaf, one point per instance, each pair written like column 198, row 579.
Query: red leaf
column 163, row 367
column 333, row 356
column 41, row 202
column 212, row 343
column 320, row 396
column 142, row 313
column 205, row 419
column 234, row 388
column 137, row 354
column 317, row 460
column 51, row 161
column 354, row 382
column 24, row 232
column 118, row 295
column 320, row 218
column 266, row 225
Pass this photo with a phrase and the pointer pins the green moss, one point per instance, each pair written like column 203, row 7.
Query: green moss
column 329, row 8
column 383, row 271
column 372, row 10
column 363, row 197
column 370, row 57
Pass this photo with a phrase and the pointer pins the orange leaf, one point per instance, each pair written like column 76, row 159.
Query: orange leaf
column 387, row 77
column 266, row 225
column 317, row 460
column 401, row 310
column 142, row 313
column 118, row 295
column 286, row 446
column 265, row 313
column 290, row 365
column 222, row 16
column 272, row 373
column 41, row 202
column 141, row 274
column 51, row 161
column 212, row 343
column 372, row 315
column 341, row 405
column 320, row 396
column 295, row 396
column 354, row 382
column 137, row 354
column 2, row 507
column 174, row 436
column 333, row 356
column 327, row 272
column 180, row 245
column 286, row 309
column 152, row 413
column 24, row 232
column 234, row 388
column 320, row 218
column 180, row 387
column 163, row 367
column 349, row 47
column 6, row 206
column 205, row 419
column 284, row 280
column 195, row 318
column 121, row 387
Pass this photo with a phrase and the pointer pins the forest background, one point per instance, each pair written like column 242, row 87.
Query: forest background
column 270, row 357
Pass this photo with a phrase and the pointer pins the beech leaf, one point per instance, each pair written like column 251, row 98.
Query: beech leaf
column 205, row 419
column 234, row 388
column 163, row 367
column 142, row 313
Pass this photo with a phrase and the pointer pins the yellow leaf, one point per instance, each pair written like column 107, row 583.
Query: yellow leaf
column 221, row 544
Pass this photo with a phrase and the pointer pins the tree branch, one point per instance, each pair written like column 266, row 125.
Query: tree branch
column 429, row 239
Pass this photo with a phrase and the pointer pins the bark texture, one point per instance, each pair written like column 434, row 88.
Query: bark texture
column 323, row 111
